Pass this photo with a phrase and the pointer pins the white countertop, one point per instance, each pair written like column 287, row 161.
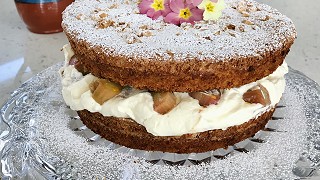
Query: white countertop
column 23, row 54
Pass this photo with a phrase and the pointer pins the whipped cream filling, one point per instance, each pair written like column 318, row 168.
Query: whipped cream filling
column 187, row 117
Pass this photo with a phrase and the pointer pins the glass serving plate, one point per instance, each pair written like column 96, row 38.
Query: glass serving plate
column 41, row 138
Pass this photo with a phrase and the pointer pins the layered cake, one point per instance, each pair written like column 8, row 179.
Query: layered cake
column 181, row 76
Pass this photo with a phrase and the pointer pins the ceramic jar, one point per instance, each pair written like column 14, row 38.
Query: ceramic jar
column 42, row 16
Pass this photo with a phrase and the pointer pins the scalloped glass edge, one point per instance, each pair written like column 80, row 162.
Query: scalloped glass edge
column 36, row 167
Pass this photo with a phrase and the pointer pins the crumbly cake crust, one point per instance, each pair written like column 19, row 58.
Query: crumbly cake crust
column 247, row 43
column 128, row 133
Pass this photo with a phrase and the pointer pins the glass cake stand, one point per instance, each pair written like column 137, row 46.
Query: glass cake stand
column 41, row 138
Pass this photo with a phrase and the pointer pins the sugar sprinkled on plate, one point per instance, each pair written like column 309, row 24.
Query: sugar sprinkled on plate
column 273, row 159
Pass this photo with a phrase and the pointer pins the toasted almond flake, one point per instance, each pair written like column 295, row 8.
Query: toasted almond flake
column 266, row 18
column 208, row 38
column 103, row 15
column 231, row 26
column 247, row 22
column 217, row 33
column 245, row 13
column 241, row 28
column 232, row 34
column 147, row 33
column 133, row 39
column 101, row 24
column 114, row 6
column 144, row 27
column 80, row 17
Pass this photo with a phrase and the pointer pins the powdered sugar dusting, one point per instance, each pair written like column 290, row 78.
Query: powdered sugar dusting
column 118, row 27
column 43, row 139
column 273, row 159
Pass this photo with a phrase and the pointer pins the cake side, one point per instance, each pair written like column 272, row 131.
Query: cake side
column 182, row 58
column 140, row 82
column 230, row 107
column 130, row 134
column 187, row 76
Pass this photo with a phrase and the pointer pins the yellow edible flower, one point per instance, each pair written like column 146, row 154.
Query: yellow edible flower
column 185, row 13
column 158, row 5
column 212, row 10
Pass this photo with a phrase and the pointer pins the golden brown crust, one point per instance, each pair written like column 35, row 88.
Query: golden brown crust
column 178, row 76
column 231, row 52
column 130, row 134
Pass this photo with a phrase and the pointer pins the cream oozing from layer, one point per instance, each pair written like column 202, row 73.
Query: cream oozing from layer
column 187, row 117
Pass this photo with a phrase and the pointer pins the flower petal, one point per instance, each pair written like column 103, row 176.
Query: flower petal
column 176, row 5
column 194, row 2
column 167, row 9
column 172, row 18
column 144, row 6
column 211, row 16
column 203, row 4
column 221, row 5
column 153, row 14
column 156, row 15
column 197, row 14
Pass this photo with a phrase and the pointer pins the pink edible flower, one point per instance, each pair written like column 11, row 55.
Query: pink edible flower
column 194, row 2
column 154, row 8
column 183, row 11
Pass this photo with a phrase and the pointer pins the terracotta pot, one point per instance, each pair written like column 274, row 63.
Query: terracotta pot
column 42, row 16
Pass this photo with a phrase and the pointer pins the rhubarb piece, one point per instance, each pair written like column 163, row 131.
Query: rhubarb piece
column 73, row 60
column 206, row 98
column 103, row 90
column 78, row 65
column 258, row 94
column 93, row 85
column 163, row 102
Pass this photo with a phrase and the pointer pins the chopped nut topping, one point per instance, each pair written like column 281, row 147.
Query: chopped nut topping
column 133, row 39
column 231, row 26
column 232, row 34
column 217, row 33
column 171, row 54
column 103, row 15
column 241, row 28
column 266, row 18
column 113, row 6
column 245, row 13
column 254, row 27
column 208, row 38
column 97, row 10
column 252, row 9
column 144, row 27
column 241, row 6
column 147, row 33
column 101, row 24
column 144, row 33
column 80, row 17
column 247, row 22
